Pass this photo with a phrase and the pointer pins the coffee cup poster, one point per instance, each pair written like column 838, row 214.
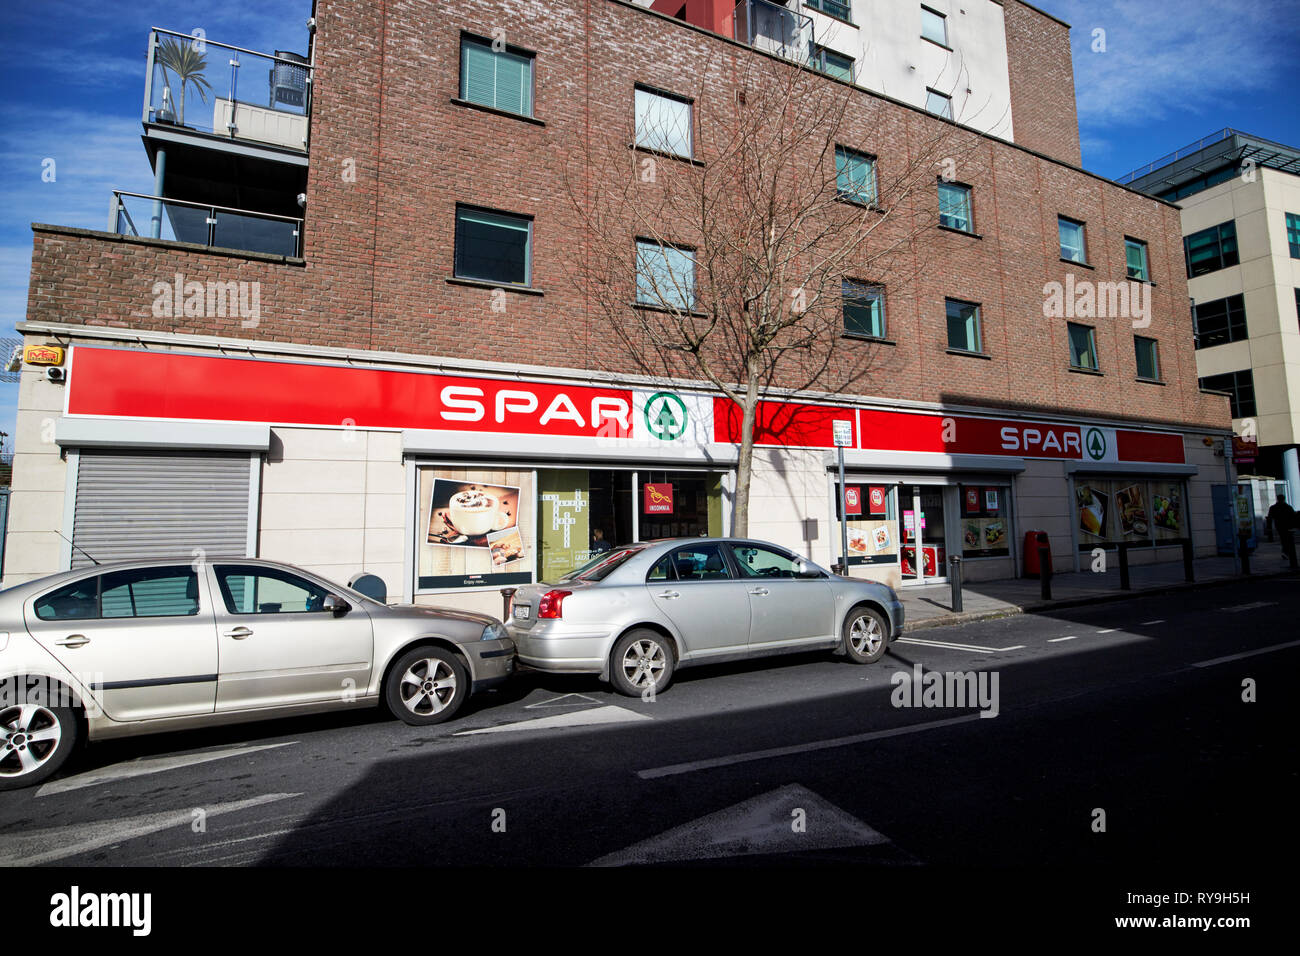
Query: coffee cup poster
column 476, row 528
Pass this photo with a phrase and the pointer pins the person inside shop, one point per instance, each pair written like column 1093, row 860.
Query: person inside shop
column 1282, row 517
column 598, row 543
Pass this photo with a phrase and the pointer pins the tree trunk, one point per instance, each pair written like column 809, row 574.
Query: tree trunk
column 745, row 467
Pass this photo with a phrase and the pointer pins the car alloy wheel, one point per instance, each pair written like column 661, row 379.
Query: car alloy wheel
column 427, row 686
column 865, row 637
column 642, row 661
column 34, row 742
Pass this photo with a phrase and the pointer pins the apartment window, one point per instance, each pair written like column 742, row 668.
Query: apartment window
column 1240, row 387
column 665, row 275
column 1083, row 347
column 954, row 206
column 501, row 79
column 1211, row 249
column 832, row 63
column 864, row 309
column 493, row 246
column 1135, row 255
column 1220, row 321
column 963, row 325
column 855, row 175
column 1147, row 353
column 663, row 123
column 834, row 8
column 1293, row 234
column 934, row 26
column 1073, row 245
column 938, row 103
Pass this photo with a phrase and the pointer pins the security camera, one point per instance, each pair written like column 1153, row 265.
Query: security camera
column 56, row 374
column 311, row 23
column 302, row 200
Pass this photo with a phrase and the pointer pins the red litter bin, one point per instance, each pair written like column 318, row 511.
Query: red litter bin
column 1032, row 540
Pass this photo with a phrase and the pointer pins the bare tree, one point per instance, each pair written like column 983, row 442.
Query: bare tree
column 736, row 263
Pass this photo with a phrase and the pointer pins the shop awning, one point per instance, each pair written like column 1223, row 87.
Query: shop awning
column 147, row 433
column 504, row 447
column 1127, row 468
column 909, row 462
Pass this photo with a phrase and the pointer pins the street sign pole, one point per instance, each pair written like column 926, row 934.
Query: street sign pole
column 843, row 438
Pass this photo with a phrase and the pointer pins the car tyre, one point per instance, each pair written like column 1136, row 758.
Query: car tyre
column 866, row 635
column 426, row 685
column 641, row 658
column 36, row 739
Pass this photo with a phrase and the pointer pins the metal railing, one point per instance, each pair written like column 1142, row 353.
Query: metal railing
column 195, row 83
column 834, row 8
column 217, row 227
column 774, row 29
column 1177, row 154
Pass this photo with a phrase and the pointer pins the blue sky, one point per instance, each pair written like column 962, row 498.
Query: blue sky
column 73, row 76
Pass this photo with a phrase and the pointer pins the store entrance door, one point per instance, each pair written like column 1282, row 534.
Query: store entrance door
column 922, row 508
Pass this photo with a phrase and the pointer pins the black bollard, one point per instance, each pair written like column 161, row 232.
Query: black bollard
column 1189, row 572
column 954, row 579
column 1244, row 552
column 1124, row 583
column 1045, row 572
column 507, row 594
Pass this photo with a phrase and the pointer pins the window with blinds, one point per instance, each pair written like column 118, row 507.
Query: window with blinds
column 144, row 505
column 495, row 75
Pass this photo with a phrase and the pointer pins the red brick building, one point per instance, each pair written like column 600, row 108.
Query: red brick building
column 311, row 382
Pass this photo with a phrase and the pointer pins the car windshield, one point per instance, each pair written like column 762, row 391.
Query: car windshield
column 598, row 567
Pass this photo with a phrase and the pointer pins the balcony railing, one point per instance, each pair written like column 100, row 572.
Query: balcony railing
column 199, row 84
column 218, row 227
column 775, row 29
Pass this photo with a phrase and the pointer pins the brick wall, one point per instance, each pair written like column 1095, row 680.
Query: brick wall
column 1042, row 82
column 379, row 245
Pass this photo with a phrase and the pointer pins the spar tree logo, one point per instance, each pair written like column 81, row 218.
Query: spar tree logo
column 1095, row 442
column 665, row 416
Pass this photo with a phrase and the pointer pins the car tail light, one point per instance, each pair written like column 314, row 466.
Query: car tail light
column 552, row 604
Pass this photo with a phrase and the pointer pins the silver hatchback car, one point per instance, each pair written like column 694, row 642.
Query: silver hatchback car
column 635, row 614
column 141, row 647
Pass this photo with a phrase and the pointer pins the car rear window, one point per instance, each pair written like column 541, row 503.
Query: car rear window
column 598, row 568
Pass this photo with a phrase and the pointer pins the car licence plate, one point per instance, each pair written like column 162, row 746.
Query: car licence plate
column 523, row 611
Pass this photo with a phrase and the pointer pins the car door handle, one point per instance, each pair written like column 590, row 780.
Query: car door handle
column 670, row 594
column 761, row 592
column 74, row 640
column 239, row 633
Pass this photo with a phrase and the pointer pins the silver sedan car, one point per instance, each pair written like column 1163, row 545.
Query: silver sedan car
column 141, row 647
column 635, row 614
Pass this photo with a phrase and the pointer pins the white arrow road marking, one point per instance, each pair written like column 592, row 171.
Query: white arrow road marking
column 957, row 647
column 139, row 768
column 609, row 714
column 1248, row 607
column 763, row 824
column 800, row 748
column 1236, row 657
column 45, row 846
column 565, row 700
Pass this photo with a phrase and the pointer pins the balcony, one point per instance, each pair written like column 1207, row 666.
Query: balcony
column 775, row 29
column 217, row 227
column 198, row 85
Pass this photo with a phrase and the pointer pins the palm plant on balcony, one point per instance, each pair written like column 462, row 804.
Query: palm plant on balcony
column 188, row 64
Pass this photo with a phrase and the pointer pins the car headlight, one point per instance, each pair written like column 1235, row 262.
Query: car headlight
column 494, row 632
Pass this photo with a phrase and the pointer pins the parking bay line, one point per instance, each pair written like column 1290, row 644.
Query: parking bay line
column 1237, row 657
column 958, row 647
column 715, row 762
column 1057, row 640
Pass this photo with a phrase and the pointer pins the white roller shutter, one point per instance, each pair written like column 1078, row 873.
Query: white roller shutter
column 143, row 505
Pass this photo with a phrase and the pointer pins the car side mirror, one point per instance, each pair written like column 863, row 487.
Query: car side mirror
column 335, row 605
column 803, row 569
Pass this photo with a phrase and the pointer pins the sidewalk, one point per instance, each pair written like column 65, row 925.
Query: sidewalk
column 930, row 606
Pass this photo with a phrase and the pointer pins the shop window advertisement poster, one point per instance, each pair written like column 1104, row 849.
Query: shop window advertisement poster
column 990, row 499
column 972, row 500
column 475, row 528
column 1093, row 505
column 658, row 499
column 877, row 497
column 852, row 500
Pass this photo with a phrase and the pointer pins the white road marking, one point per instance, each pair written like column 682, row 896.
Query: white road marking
column 956, row 647
column 139, row 768
column 1237, row 657
column 1159, row 620
column 1109, row 630
column 1247, row 607
column 578, row 700
column 728, row 761
column 35, row 847
column 1054, row 640
column 762, row 824
column 609, row 714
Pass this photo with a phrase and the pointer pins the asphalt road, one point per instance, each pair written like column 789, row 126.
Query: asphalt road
column 1121, row 738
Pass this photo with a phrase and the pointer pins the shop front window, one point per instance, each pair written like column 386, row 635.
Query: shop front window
column 872, row 523
column 1135, row 511
column 679, row 504
column 475, row 527
column 985, row 527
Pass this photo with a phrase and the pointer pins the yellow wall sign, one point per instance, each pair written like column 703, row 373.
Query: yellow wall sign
column 43, row 355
